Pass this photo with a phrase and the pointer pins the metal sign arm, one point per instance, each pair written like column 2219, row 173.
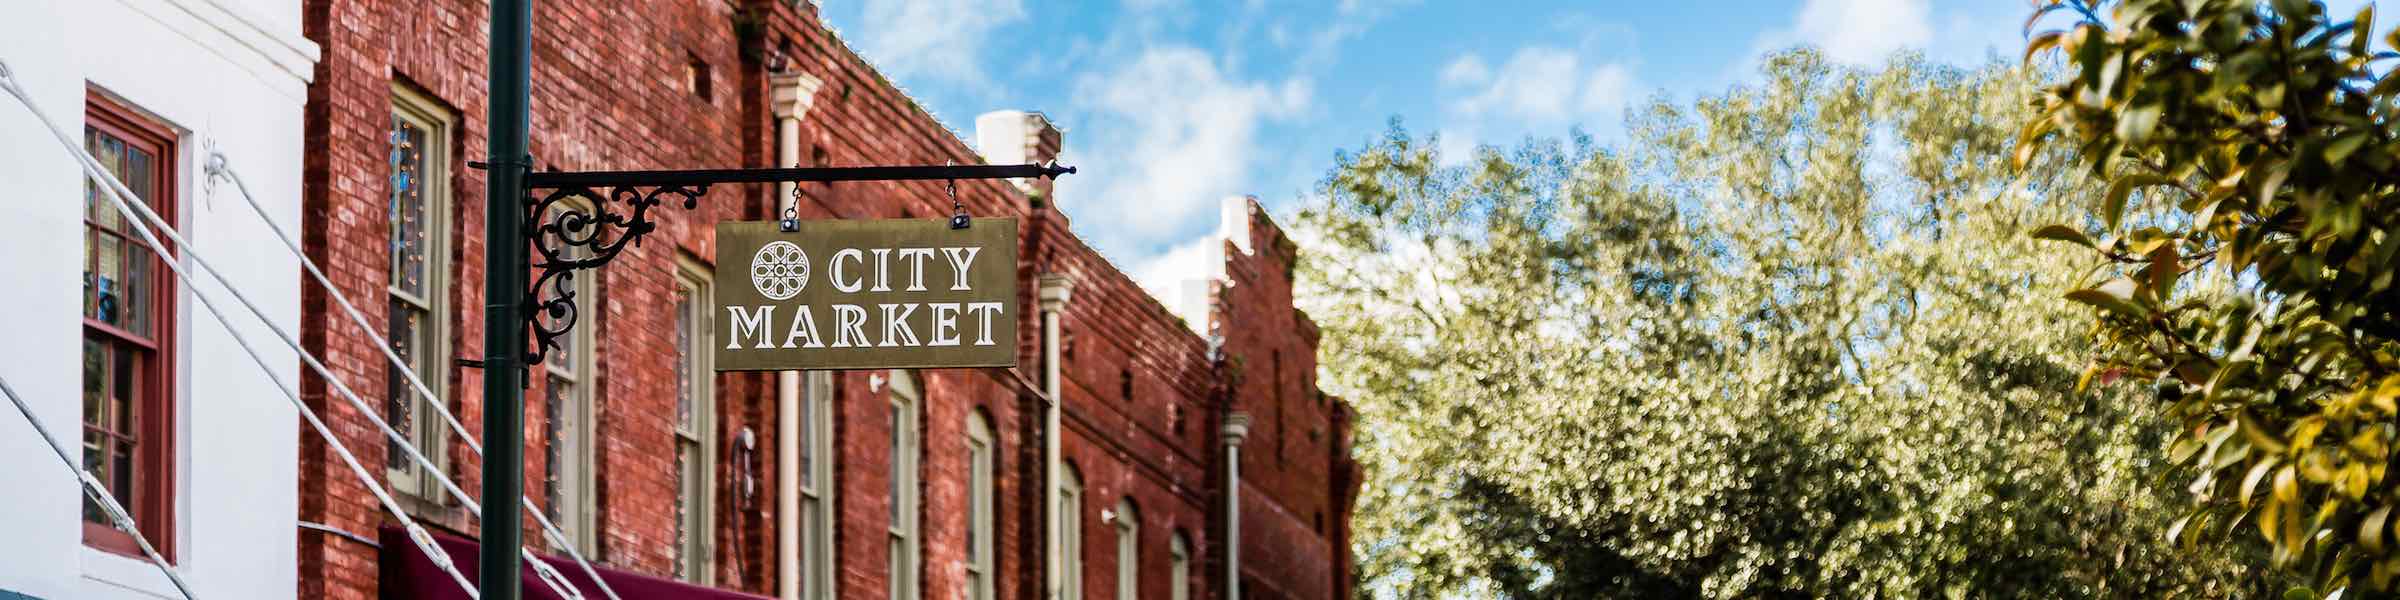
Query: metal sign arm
column 614, row 212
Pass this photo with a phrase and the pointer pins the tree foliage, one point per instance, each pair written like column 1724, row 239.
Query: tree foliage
column 2241, row 261
column 1790, row 340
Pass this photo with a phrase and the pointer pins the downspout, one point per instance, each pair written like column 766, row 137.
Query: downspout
column 793, row 93
column 1237, row 428
column 1054, row 288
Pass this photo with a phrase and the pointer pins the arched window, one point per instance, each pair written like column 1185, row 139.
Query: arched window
column 1179, row 568
column 1129, row 551
column 1070, row 534
column 905, row 397
column 982, row 525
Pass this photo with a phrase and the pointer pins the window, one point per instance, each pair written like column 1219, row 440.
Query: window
column 695, row 427
column 981, row 522
column 1129, row 551
column 1125, row 385
column 1179, row 568
column 1070, row 534
column 567, row 392
column 815, row 520
column 903, row 493
column 696, row 77
column 418, row 223
column 128, row 334
column 1277, row 398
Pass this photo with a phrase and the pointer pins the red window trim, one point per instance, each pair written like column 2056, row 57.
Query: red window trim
column 152, row 506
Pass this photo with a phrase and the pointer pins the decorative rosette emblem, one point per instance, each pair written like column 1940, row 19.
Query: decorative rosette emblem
column 779, row 270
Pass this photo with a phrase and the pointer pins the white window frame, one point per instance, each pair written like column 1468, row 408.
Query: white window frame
column 816, row 486
column 904, row 560
column 1179, row 568
column 1129, row 550
column 696, row 550
column 576, row 510
column 982, row 524
column 1070, row 533
column 431, row 352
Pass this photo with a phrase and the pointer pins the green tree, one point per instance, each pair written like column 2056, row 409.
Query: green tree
column 1790, row 340
column 2241, row 262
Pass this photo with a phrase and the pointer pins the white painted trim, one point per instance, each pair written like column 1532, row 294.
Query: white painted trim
column 285, row 61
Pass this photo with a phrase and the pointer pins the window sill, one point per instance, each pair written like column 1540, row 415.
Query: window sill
column 441, row 515
column 103, row 568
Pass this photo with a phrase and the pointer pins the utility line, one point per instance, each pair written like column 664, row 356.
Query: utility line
column 93, row 488
column 115, row 192
column 541, row 568
column 219, row 165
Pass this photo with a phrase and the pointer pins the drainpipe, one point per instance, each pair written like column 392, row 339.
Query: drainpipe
column 1237, row 427
column 1054, row 288
column 793, row 94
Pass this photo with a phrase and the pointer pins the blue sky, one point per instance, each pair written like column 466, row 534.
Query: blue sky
column 1170, row 106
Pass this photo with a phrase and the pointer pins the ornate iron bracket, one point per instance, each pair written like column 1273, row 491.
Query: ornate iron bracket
column 568, row 235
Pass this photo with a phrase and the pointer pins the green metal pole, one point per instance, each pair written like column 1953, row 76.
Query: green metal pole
column 503, row 287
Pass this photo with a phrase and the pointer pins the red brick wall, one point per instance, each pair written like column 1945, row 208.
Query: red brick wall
column 608, row 95
column 1298, row 477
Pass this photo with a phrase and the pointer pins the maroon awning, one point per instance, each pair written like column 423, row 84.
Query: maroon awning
column 408, row 573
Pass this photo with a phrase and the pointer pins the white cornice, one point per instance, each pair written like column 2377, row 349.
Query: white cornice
column 283, row 59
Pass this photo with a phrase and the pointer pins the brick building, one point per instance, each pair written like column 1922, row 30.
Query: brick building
column 932, row 484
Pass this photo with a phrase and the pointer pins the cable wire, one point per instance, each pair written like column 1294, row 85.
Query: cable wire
column 99, row 494
column 115, row 192
column 220, row 166
column 542, row 569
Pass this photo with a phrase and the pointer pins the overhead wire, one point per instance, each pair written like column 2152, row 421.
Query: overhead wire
column 98, row 493
column 115, row 191
column 219, row 165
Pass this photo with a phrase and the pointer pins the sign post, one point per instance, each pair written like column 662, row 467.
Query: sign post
column 900, row 293
column 504, row 281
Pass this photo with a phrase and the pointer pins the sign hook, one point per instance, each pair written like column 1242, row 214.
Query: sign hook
column 791, row 212
column 958, row 210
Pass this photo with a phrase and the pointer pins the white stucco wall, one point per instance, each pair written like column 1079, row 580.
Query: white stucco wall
column 228, row 74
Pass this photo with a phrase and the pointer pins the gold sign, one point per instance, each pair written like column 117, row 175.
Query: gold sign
column 898, row 293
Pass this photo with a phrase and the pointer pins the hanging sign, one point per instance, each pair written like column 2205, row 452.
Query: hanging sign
column 897, row 293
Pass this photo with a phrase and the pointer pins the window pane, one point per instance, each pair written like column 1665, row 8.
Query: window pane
column 553, row 459
column 96, row 407
column 975, row 478
column 409, row 218
column 893, row 492
column 137, row 299
column 807, row 546
column 95, row 378
column 106, row 149
column 689, row 508
column 400, row 399
column 118, row 287
column 109, row 286
column 684, row 383
column 110, row 393
column 808, row 433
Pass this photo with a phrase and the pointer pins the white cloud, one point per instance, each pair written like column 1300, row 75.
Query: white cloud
column 1857, row 31
column 1540, row 90
column 1538, row 83
column 1171, row 133
column 1466, row 70
column 1180, row 276
column 937, row 39
column 1608, row 88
